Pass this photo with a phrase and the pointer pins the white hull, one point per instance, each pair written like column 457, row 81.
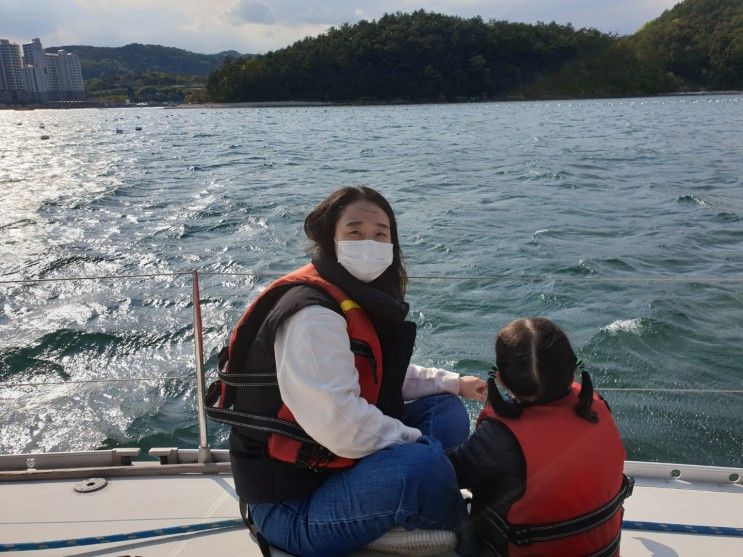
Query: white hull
column 40, row 504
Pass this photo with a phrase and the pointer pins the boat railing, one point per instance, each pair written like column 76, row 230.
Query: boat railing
column 206, row 459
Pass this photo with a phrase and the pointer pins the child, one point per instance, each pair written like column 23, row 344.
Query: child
column 544, row 466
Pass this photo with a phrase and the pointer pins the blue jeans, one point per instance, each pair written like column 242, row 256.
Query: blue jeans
column 411, row 485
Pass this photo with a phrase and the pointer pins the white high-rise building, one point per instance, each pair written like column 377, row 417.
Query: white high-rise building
column 13, row 87
column 65, row 76
column 37, row 71
column 38, row 76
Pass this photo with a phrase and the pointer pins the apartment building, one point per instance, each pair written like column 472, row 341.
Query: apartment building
column 32, row 75
column 13, row 87
column 37, row 71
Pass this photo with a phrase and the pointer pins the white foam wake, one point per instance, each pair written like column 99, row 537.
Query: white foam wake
column 624, row 326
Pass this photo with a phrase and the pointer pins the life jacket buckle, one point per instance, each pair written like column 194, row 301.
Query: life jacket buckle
column 213, row 393
column 629, row 486
column 313, row 457
column 522, row 536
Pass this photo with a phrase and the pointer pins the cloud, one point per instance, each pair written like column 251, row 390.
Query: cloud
column 253, row 12
column 260, row 25
column 292, row 12
column 21, row 20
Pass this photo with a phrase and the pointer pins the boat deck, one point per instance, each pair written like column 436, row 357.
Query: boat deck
column 42, row 504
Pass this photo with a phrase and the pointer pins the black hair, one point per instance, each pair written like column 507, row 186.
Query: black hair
column 537, row 364
column 320, row 229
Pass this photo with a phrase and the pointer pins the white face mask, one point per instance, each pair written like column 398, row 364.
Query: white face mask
column 364, row 259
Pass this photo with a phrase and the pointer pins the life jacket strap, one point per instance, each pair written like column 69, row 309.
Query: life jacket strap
column 268, row 378
column 260, row 423
column 260, row 538
column 361, row 348
column 255, row 379
column 610, row 550
column 527, row 534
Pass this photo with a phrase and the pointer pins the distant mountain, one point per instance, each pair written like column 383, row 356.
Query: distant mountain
column 98, row 61
column 698, row 41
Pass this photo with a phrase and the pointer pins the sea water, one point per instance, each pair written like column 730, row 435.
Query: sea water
column 621, row 220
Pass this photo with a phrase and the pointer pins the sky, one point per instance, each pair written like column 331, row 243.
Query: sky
column 258, row 26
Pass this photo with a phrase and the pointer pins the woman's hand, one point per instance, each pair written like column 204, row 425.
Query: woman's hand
column 473, row 388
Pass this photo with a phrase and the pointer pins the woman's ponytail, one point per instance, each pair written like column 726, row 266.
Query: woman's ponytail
column 585, row 399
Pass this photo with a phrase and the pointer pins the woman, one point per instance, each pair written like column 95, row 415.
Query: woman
column 324, row 450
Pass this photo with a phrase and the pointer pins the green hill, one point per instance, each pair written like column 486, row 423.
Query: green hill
column 432, row 57
column 412, row 57
column 144, row 73
column 699, row 41
column 425, row 56
column 100, row 61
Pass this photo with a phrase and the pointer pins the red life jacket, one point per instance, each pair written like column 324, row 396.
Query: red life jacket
column 575, row 485
column 288, row 442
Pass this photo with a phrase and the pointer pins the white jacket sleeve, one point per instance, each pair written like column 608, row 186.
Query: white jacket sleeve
column 424, row 381
column 319, row 383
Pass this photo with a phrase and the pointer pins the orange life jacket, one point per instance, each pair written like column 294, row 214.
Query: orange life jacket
column 572, row 502
column 287, row 441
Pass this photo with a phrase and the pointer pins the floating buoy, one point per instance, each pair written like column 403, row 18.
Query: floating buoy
column 44, row 137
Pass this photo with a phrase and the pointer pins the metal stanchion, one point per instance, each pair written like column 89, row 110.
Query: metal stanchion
column 204, row 451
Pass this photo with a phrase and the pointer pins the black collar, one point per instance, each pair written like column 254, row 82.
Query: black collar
column 379, row 305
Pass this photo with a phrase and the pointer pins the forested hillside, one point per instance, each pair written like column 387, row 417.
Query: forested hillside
column 426, row 56
column 699, row 41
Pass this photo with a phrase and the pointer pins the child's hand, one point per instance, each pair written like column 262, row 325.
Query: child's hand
column 473, row 388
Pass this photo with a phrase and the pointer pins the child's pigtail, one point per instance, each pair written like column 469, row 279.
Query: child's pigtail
column 502, row 407
column 585, row 399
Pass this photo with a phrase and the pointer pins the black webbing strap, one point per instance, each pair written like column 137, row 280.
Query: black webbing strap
column 610, row 550
column 525, row 534
column 361, row 348
column 260, row 423
column 249, row 379
column 248, row 520
column 268, row 378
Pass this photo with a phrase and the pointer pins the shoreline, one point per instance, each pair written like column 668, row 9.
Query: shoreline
column 305, row 104
column 290, row 104
column 257, row 104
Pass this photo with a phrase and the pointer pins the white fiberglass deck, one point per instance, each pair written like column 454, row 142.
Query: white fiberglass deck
column 35, row 510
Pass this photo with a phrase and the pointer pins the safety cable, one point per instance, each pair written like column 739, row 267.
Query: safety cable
column 490, row 278
column 191, row 379
column 234, row 523
column 101, row 277
column 84, row 381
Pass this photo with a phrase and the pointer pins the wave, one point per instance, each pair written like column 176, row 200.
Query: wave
column 16, row 224
column 724, row 216
column 21, row 361
column 691, row 199
column 65, row 262
column 633, row 326
column 43, row 356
